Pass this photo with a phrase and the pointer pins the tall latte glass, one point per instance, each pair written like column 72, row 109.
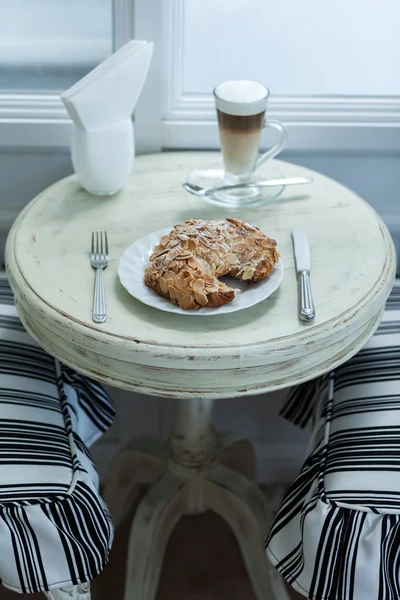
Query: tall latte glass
column 241, row 107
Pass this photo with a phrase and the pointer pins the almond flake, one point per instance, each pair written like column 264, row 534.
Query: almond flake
column 158, row 253
column 231, row 259
column 164, row 240
column 186, row 301
column 198, row 285
column 193, row 262
column 248, row 273
column 173, row 292
column 239, row 247
column 192, row 244
column 183, row 256
column 201, row 299
column 250, row 243
column 163, row 285
column 179, row 281
column 268, row 243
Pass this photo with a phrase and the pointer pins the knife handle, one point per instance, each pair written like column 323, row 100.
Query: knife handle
column 307, row 309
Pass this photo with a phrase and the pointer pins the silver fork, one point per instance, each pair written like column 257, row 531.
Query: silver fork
column 99, row 261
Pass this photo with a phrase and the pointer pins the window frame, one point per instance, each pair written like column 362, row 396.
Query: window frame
column 167, row 118
column 40, row 121
column 315, row 124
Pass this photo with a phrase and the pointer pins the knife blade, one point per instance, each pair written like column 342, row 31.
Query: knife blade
column 303, row 267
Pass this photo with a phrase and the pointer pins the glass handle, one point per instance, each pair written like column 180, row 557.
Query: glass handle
column 278, row 147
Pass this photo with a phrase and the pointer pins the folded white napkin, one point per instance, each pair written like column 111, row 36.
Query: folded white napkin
column 109, row 93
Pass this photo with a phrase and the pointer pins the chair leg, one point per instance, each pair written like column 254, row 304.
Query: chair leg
column 76, row 592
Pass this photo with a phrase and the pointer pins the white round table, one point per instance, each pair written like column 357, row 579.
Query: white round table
column 195, row 359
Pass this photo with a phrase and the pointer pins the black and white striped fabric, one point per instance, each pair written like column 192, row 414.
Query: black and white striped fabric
column 337, row 533
column 55, row 529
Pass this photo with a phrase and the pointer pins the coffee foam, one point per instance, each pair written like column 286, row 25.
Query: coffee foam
column 241, row 97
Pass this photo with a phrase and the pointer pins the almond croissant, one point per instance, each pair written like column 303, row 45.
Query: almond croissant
column 186, row 264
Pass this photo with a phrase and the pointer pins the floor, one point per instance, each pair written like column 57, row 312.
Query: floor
column 211, row 568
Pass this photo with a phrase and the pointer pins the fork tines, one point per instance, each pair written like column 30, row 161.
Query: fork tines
column 99, row 243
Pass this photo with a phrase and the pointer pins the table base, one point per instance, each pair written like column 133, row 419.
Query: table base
column 186, row 477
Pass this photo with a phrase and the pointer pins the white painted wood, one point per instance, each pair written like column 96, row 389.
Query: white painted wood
column 364, row 125
column 238, row 513
column 153, row 352
column 193, row 440
column 171, row 114
column 123, row 22
column 276, row 461
column 279, row 447
column 188, row 87
column 193, row 100
column 188, row 483
column 311, row 109
column 77, row 592
column 41, row 121
column 138, row 465
column 333, row 121
column 148, row 23
column 51, row 34
column 35, row 134
column 143, row 21
column 157, row 514
column 357, row 49
column 329, row 136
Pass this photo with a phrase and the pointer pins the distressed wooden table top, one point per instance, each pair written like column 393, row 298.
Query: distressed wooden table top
column 139, row 347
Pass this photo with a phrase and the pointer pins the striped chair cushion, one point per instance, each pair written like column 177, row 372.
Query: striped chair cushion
column 55, row 529
column 337, row 533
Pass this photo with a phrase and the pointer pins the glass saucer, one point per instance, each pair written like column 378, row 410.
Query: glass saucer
column 212, row 174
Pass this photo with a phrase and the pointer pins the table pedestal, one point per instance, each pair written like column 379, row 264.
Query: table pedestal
column 76, row 592
column 185, row 477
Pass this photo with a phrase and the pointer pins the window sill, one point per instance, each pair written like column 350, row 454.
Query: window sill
column 33, row 121
column 314, row 124
column 330, row 125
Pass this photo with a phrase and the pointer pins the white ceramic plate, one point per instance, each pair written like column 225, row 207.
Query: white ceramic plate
column 135, row 259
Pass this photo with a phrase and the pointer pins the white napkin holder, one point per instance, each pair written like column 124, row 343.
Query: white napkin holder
column 101, row 106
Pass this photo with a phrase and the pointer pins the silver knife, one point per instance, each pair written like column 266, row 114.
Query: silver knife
column 302, row 256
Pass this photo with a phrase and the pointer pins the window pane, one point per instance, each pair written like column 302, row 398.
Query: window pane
column 294, row 47
column 47, row 45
